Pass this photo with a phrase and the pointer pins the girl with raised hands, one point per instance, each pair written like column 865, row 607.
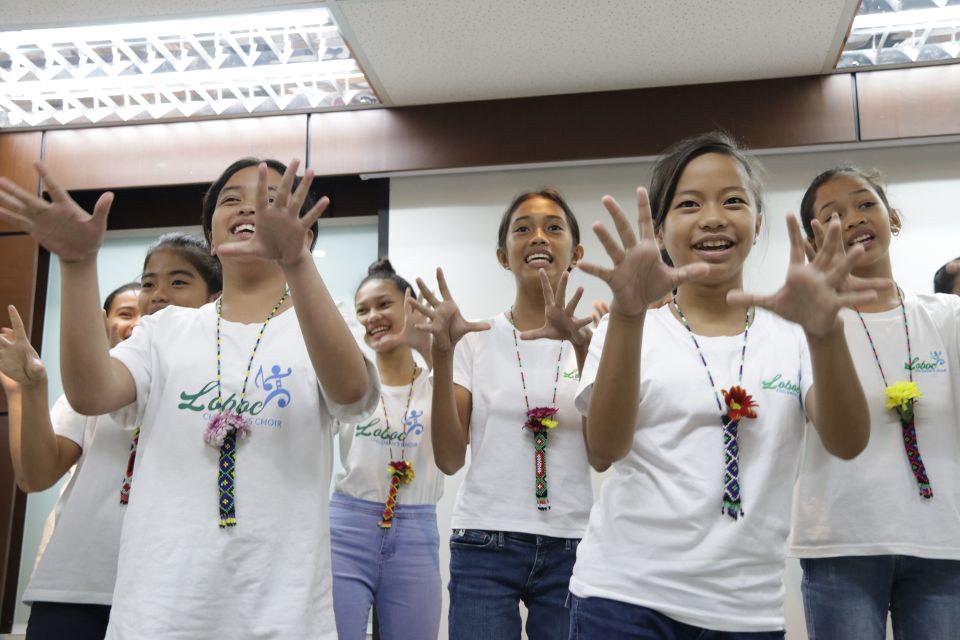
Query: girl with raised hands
column 700, row 406
column 506, row 388
column 383, row 514
column 226, row 533
column 882, row 533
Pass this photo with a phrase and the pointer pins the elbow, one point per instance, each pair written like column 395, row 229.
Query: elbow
column 450, row 466
column 33, row 485
column 84, row 403
column 601, row 455
column 856, row 441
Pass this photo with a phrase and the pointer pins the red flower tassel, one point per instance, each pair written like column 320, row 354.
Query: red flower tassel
column 400, row 471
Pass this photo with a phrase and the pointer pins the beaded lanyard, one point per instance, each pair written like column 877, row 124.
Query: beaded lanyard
column 739, row 406
column 901, row 396
column 539, row 421
column 128, row 474
column 223, row 429
column 399, row 470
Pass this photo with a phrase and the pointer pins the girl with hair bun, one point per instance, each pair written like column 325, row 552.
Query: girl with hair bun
column 383, row 514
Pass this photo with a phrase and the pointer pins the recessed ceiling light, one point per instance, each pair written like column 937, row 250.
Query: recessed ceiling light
column 259, row 63
column 903, row 33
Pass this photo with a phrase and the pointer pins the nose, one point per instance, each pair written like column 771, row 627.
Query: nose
column 712, row 217
column 159, row 294
column 539, row 236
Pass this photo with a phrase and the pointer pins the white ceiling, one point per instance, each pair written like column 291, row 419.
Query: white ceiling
column 429, row 51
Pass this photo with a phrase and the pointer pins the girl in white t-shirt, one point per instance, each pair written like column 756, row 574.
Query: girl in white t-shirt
column 689, row 535
column 226, row 531
column 507, row 390
column 882, row 533
column 383, row 514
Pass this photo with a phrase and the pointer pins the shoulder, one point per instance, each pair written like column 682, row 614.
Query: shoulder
column 944, row 308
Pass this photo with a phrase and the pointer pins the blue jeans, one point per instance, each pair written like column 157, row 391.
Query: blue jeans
column 849, row 596
column 396, row 568
column 58, row 620
column 491, row 572
column 602, row 619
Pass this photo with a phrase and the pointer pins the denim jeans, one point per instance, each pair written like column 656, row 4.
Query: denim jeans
column 602, row 619
column 849, row 596
column 491, row 572
column 396, row 568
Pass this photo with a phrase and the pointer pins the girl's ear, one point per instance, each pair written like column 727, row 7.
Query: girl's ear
column 502, row 259
column 756, row 230
column 577, row 255
column 896, row 223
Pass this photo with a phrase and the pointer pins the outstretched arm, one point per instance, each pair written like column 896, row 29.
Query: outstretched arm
column 93, row 382
column 452, row 404
column 638, row 278
column 39, row 456
column 283, row 236
column 812, row 296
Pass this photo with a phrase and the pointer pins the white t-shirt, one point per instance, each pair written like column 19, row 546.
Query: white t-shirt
column 79, row 564
column 498, row 492
column 871, row 505
column 657, row 537
column 180, row 575
column 365, row 448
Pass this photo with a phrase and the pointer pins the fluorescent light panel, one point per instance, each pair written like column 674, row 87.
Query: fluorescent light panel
column 903, row 33
column 242, row 64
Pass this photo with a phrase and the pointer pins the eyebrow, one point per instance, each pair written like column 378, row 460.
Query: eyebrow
column 696, row 192
column 236, row 187
column 549, row 217
column 175, row 272
column 852, row 193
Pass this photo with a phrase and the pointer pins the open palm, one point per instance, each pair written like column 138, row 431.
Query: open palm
column 639, row 276
column 18, row 359
column 61, row 226
column 559, row 321
column 444, row 321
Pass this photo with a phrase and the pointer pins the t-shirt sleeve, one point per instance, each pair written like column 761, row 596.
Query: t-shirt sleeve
column 362, row 408
column 589, row 373
column 68, row 423
column 463, row 361
column 135, row 353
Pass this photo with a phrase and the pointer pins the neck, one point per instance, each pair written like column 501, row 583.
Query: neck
column 528, row 307
column 396, row 366
column 250, row 290
column 886, row 299
column 706, row 310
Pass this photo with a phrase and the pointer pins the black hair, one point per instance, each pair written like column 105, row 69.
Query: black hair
column 108, row 303
column 666, row 172
column 194, row 250
column 944, row 282
column 210, row 197
column 873, row 178
column 548, row 193
column 383, row 270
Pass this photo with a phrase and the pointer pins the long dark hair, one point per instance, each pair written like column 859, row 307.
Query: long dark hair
column 548, row 193
column 194, row 250
column 383, row 270
column 873, row 178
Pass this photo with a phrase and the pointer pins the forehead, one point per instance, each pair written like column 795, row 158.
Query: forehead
column 373, row 289
column 538, row 207
column 842, row 185
column 246, row 178
column 126, row 299
column 164, row 261
column 712, row 170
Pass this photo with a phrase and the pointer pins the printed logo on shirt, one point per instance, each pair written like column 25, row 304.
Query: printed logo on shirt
column 573, row 374
column 778, row 384
column 205, row 399
column 386, row 437
column 936, row 364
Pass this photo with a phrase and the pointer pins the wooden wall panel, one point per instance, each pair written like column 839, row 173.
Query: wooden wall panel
column 18, row 272
column 18, row 152
column 909, row 103
column 168, row 154
column 13, row 504
column 769, row 113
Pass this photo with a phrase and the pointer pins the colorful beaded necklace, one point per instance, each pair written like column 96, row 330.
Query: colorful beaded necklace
column 901, row 397
column 739, row 405
column 224, row 428
column 399, row 470
column 539, row 421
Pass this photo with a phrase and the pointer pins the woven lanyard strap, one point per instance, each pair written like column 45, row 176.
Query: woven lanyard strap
column 398, row 469
column 539, row 421
column 905, row 410
column 227, row 465
column 732, row 504
column 128, row 475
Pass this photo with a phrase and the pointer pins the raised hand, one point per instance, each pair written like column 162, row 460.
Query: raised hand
column 409, row 336
column 639, row 276
column 444, row 320
column 280, row 233
column 814, row 292
column 19, row 361
column 61, row 226
column 559, row 321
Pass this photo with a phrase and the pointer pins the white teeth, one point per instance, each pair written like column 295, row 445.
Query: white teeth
column 378, row 330
column 714, row 244
column 861, row 238
column 538, row 256
column 243, row 227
